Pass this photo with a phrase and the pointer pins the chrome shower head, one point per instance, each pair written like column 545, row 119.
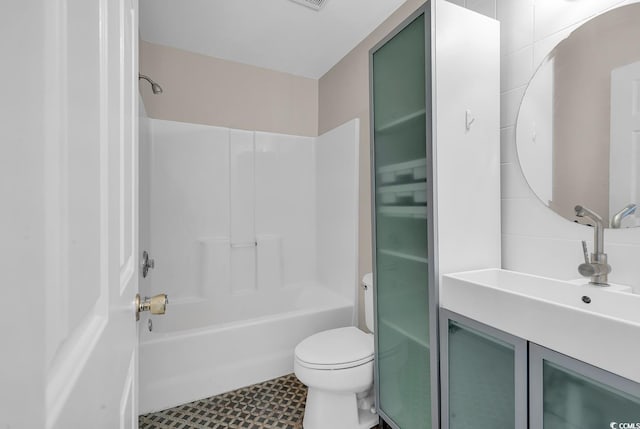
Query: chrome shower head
column 157, row 89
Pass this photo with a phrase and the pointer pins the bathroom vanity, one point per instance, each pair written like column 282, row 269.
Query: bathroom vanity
column 512, row 342
column 528, row 351
column 461, row 343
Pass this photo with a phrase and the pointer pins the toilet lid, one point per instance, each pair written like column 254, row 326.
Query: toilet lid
column 336, row 348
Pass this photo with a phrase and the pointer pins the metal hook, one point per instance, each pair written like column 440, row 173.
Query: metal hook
column 468, row 119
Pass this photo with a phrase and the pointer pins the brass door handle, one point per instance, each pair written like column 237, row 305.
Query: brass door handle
column 156, row 304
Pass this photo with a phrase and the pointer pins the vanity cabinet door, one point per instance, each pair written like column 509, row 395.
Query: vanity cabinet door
column 484, row 375
column 567, row 393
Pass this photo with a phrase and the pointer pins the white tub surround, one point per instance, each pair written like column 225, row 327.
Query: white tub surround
column 254, row 237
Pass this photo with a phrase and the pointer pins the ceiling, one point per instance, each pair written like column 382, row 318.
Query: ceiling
column 275, row 34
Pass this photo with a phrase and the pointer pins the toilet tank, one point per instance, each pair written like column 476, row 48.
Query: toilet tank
column 367, row 282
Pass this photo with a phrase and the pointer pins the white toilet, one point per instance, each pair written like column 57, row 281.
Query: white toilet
column 337, row 367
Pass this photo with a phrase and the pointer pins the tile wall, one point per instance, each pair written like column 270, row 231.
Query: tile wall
column 534, row 239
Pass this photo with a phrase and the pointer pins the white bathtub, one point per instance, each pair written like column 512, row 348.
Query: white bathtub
column 254, row 237
column 247, row 340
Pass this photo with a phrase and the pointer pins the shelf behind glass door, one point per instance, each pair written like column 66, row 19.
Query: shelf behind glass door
column 402, row 268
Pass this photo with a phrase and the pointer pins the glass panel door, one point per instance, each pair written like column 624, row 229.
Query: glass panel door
column 484, row 375
column 400, row 180
column 567, row 394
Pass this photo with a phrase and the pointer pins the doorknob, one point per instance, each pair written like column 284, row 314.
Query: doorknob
column 156, row 304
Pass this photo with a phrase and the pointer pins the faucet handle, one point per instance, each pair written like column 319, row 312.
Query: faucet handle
column 585, row 252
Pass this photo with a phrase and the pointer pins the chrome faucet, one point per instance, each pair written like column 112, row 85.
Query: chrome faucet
column 597, row 267
column 616, row 220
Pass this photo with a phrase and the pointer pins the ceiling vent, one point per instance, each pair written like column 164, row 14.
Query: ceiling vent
column 313, row 4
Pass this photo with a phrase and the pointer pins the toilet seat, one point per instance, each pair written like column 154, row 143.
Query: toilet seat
column 335, row 349
column 337, row 367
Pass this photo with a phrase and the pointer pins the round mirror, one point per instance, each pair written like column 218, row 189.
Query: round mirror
column 578, row 128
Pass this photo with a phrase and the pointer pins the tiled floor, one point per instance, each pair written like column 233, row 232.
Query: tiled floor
column 274, row 404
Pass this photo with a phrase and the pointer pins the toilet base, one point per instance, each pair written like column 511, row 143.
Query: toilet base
column 336, row 410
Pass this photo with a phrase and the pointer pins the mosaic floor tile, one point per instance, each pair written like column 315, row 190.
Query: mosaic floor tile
column 274, row 404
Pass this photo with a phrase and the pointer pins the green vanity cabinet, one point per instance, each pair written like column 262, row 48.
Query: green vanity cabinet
column 565, row 393
column 493, row 380
column 484, row 375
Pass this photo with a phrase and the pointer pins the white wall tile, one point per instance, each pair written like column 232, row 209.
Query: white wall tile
column 485, row 7
column 542, row 256
column 623, row 236
column 516, row 24
column 509, row 105
column 625, row 268
column 516, row 69
column 544, row 43
column 512, row 182
column 552, row 16
column 458, row 2
column 530, row 217
column 562, row 257
column 508, row 145
column 543, row 47
column 535, row 239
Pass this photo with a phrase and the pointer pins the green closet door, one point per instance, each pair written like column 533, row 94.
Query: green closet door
column 401, row 223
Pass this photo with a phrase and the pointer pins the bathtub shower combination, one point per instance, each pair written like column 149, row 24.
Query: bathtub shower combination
column 254, row 237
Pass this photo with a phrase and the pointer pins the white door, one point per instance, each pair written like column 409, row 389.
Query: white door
column 69, row 229
column 624, row 158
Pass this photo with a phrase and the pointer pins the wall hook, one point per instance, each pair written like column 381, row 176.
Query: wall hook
column 468, row 119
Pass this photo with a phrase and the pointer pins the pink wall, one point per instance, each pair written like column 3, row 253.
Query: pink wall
column 206, row 90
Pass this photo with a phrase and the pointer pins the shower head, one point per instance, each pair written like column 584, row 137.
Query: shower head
column 157, row 89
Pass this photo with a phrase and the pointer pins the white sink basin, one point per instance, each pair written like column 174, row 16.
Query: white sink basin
column 600, row 326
